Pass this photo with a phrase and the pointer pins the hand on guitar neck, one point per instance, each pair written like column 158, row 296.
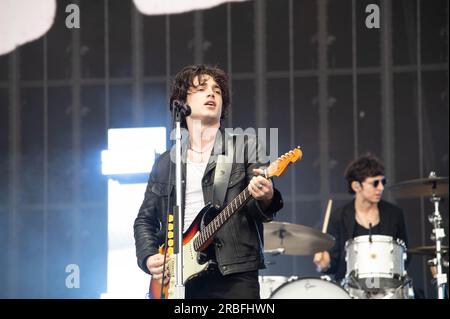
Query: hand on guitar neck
column 261, row 188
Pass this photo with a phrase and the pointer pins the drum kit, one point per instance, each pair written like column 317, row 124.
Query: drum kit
column 375, row 263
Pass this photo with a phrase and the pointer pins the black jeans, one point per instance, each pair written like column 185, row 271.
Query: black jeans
column 211, row 284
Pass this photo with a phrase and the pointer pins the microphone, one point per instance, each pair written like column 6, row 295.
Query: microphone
column 181, row 107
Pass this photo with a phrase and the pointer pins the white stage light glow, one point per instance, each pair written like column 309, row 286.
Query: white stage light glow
column 130, row 151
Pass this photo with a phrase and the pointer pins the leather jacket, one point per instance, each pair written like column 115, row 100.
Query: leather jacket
column 238, row 245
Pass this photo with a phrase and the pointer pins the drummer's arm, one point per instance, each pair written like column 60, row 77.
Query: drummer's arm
column 322, row 261
column 334, row 252
column 327, row 261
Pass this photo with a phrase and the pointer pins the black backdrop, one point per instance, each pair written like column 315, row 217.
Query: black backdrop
column 310, row 68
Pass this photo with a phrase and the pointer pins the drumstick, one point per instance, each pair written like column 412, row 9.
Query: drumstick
column 327, row 216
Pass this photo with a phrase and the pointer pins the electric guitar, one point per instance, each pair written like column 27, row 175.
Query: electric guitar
column 198, row 237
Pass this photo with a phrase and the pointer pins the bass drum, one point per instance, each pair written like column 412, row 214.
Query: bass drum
column 310, row 288
column 268, row 284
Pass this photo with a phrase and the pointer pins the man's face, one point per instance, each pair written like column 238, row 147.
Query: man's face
column 205, row 100
column 372, row 188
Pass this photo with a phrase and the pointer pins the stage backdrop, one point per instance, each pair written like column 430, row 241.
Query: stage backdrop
column 311, row 68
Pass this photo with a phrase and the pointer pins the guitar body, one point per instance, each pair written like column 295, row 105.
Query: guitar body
column 194, row 262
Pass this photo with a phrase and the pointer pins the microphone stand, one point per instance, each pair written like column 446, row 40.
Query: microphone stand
column 179, row 110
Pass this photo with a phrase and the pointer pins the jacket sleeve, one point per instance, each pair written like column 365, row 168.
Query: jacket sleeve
column 147, row 227
column 401, row 233
column 335, row 251
column 255, row 157
column 401, row 228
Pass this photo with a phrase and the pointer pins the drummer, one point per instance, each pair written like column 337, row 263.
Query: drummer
column 366, row 214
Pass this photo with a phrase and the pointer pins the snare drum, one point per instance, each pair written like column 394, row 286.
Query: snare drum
column 310, row 288
column 375, row 263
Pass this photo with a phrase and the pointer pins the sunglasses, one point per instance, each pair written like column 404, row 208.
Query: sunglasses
column 377, row 182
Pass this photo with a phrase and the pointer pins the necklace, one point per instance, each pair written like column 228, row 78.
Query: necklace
column 201, row 152
column 198, row 151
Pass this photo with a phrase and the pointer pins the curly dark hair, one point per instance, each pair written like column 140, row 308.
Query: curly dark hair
column 361, row 168
column 185, row 80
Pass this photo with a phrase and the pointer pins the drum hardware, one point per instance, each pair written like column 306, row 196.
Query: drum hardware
column 295, row 239
column 434, row 187
column 433, row 262
column 275, row 252
column 351, row 281
column 439, row 234
column 325, row 277
column 404, row 291
column 427, row 250
column 399, row 291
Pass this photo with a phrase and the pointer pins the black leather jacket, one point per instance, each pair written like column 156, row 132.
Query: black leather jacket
column 238, row 245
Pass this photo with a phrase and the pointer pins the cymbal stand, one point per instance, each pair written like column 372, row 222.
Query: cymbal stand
column 275, row 252
column 438, row 234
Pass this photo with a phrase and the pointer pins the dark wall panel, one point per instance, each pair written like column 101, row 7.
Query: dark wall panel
column 305, row 34
column 215, row 43
column 60, row 45
column 60, row 151
column 307, row 134
column 368, row 40
column 154, row 45
column 243, row 31
column 32, row 142
column 277, row 36
column 92, row 47
column 340, row 119
column 332, row 110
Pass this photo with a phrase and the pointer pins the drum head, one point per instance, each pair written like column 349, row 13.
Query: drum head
column 375, row 262
column 268, row 284
column 310, row 288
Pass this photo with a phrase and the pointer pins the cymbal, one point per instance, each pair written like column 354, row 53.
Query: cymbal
column 427, row 250
column 421, row 187
column 295, row 239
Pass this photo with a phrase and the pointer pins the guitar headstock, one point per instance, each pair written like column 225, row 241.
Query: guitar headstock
column 278, row 167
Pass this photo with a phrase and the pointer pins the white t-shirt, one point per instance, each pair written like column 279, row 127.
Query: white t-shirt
column 194, row 194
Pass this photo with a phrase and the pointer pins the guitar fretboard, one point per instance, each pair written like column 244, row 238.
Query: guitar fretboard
column 218, row 221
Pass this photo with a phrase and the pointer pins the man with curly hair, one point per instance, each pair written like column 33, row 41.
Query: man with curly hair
column 367, row 212
column 236, row 253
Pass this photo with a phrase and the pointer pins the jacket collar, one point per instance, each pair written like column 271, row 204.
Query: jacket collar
column 218, row 149
column 349, row 219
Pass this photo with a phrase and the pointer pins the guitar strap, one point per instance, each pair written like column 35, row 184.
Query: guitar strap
column 222, row 174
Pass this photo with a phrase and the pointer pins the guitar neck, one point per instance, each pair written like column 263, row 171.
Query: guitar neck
column 211, row 229
column 277, row 168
